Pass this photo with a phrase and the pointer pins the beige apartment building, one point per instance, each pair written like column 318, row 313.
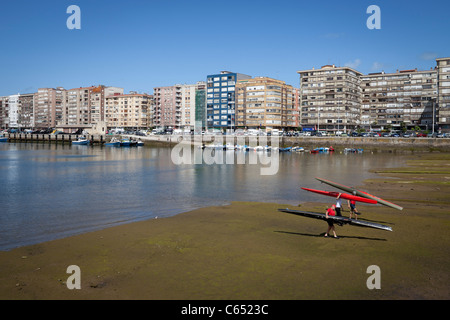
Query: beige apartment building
column 264, row 102
column 189, row 104
column 48, row 107
column 398, row 101
column 86, row 105
column 129, row 111
column 330, row 98
column 443, row 98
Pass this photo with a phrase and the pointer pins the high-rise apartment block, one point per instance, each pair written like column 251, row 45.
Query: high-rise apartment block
column 48, row 107
column 168, row 106
column 129, row 110
column 86, row 105
column 443, row 98
column 330, row 98
column 26, row 110
column 192, row 105
column 221, row 99
column 342, row 99
column 400, row 100
column 265, row 103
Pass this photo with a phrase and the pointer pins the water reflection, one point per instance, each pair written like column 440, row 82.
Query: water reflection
column 49, row 191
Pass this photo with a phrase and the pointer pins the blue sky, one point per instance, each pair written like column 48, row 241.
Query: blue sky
column 142, row 44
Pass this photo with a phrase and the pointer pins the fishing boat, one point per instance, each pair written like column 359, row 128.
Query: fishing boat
column 140, row 143
column 285, row 149
column 113, row 143
column 127, row 143
column 82, row 141
column 3, row 139
column 298, row 149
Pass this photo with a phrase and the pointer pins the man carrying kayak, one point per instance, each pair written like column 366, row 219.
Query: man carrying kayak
column 330, row 212
column 352, row 206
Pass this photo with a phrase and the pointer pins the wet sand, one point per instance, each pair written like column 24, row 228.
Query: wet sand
column 251, row 251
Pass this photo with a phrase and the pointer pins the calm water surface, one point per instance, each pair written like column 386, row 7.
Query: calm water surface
column 51, row 191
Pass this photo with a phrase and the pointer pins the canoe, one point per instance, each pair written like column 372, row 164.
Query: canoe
column 338, row 219
column 343, row 195
column 360, row 193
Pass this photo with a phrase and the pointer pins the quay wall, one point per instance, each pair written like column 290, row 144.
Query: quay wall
column 52, row 138
column 367, row 143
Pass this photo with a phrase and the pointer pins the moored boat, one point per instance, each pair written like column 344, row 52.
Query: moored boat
column 113, row 143
column 127, row 143
column 82, row 141
column 353, row 150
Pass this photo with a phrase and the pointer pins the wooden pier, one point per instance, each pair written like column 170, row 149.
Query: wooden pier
column 53, row 138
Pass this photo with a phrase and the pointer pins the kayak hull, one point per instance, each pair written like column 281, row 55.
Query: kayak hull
column 343, row 195
column 361, row 193
column 339, row 220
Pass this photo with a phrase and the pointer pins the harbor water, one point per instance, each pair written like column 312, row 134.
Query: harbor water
column 51, row 191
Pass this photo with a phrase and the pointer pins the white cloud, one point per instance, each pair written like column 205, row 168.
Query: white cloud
column 377, row 66
column 353, row 64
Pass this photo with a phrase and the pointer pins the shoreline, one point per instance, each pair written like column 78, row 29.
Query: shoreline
column 248, row 250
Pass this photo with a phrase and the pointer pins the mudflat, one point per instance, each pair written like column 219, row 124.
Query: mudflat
column 249, row 250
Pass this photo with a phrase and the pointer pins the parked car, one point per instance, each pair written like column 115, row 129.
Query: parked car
column 421, row 134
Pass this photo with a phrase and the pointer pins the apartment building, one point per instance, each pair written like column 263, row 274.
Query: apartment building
column 265, row 103
column 330, row 98
column 443, row 97
column 168, row 106
column 221, row 99
column 86, row 105
column 12, row 119
column 398, row 101
column 2, row 113
column 296, row 104
column 190, row 102
column 48, row 107
column 26, row 110
column 129, row 111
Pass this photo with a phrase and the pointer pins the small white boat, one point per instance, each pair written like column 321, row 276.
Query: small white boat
column 81, row 141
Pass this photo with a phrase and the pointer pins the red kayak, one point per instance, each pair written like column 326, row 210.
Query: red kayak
column 343, row 195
